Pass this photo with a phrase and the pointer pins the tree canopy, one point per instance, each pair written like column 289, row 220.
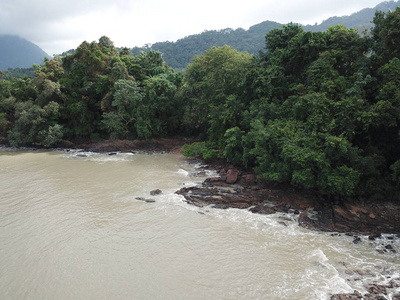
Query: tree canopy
column 319, row 110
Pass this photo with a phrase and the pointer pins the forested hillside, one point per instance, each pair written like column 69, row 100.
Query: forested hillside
column 319, row 110
column 16, row 52
column 361, row 20
column 179, row 54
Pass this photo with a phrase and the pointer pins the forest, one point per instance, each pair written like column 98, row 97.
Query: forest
column 318, row 110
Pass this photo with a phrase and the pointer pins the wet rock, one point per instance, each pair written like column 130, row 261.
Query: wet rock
column 357, row 240
column 249, row 178
column 377, row 289
column 220, row 206
column 198, row 174
column 394, row 283
column 232, row 176
column 396, row 297
column 355, row 295
column 145, row 200
column 155, row 192
column 112, row 153
column 201, row 174
column 359, row 272
column 389, row 248
column 373, row 237
column 374, row 297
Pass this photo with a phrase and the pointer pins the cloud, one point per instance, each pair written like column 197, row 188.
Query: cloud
column 51, row 22
column 57, row 26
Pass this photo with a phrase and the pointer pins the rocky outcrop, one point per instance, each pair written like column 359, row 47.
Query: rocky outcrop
column 375, row 292
column 240, row 189
column 356, row 217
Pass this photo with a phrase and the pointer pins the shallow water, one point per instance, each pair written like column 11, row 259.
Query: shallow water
column 72, row 228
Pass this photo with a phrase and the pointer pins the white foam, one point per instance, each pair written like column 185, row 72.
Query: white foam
column 182, row 172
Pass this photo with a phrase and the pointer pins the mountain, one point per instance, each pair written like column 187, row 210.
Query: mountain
column 180, row 53
column 360, row 20
column 16, row 52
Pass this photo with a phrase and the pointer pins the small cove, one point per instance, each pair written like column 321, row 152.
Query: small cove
column 72, row 228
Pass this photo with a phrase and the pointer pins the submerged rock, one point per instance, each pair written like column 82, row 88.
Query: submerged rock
column 355, row 295
column 155, row 192
column 145, row 200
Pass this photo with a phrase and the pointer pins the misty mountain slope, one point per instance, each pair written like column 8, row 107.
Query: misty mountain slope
column 180, row 53
column 360, row 20
column 16, row 52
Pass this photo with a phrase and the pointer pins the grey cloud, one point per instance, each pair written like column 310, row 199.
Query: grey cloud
column 52, row 23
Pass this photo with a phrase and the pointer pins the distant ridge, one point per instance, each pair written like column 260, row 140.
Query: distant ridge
column 360, row 20
column 180, row 53
column 16, row 52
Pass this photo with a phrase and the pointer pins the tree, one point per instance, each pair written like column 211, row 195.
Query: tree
column 123, row 119
column 36, row 125
column 210, row 87
column 386, row 35
column 166, row 109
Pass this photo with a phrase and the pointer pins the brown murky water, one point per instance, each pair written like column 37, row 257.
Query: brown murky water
column 72, row 228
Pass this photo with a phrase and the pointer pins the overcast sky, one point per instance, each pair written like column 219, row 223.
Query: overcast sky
column 59, row 25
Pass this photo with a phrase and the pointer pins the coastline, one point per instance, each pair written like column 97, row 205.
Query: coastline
column 235, row 187
column 238, row 188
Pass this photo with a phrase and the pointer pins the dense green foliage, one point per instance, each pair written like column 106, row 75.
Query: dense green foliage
column 18, row 72
column 180, row 53
column 95, row 92
column 319, row 110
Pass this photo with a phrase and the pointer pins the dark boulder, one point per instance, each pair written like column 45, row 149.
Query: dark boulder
column 155, row 192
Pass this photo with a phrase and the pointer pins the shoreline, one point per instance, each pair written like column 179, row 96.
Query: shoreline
column 238, row 188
